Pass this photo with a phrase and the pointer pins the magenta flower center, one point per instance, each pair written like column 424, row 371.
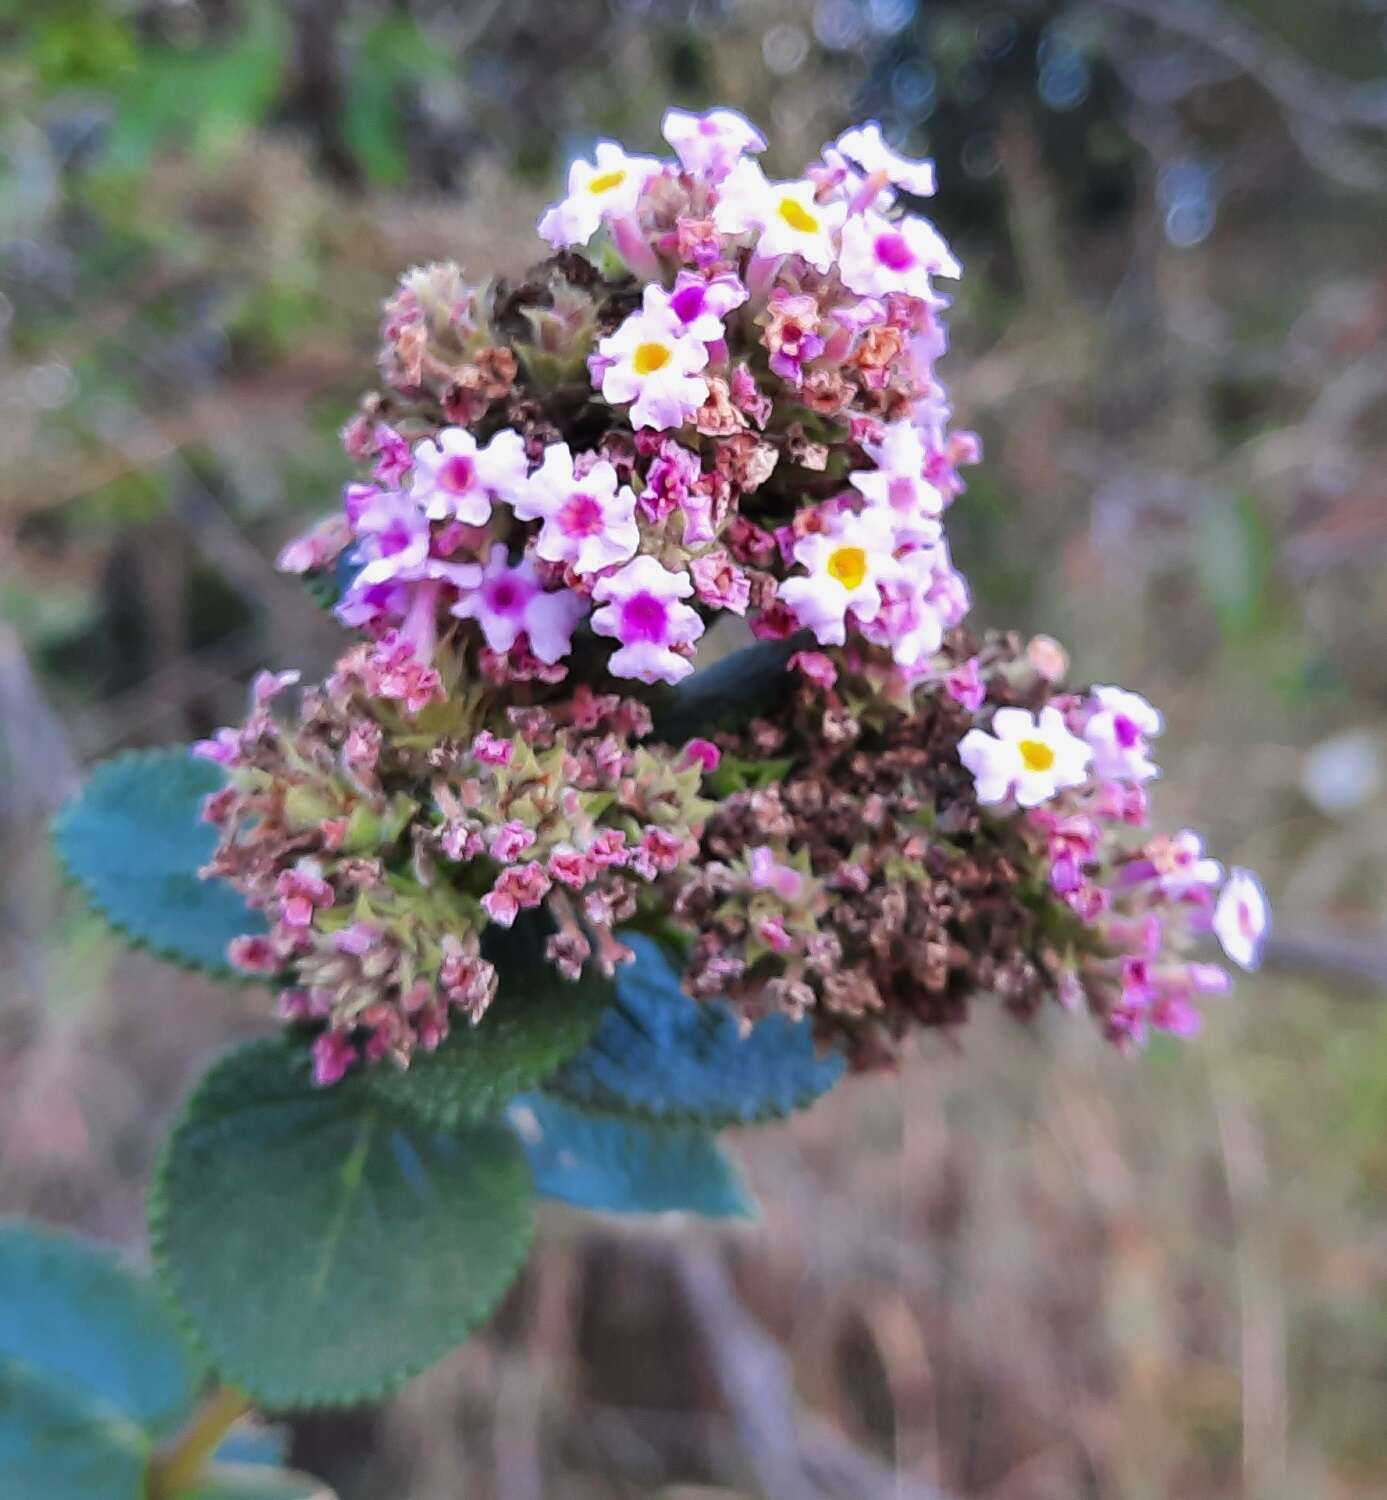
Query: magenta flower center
column 508, row 595
column 394, row 541
column 459, row 474
column 1125, row 731
column 644, row 618
column 902, row 491
column 688, row 304
column 580, row 516
column 893, row 252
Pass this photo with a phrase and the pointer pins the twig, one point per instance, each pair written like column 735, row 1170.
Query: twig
column 794, row 1455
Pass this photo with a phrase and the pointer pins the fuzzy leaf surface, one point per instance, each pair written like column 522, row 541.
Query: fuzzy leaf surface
column 660, row 1054
column 537, row 1021
column 621, row 1165
column 321, row 1246
column 133, row 838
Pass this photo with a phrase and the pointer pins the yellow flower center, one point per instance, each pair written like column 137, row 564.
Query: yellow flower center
column 650, row 357
column 797, row 216
column 1036, row 755
column 604, row 182
column 848, row 565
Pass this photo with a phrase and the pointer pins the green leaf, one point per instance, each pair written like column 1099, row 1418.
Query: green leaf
column 537, row 1021
column 728, row 693
column 660, row 1054
column 252, row 1482
column 56, row 1445
column 72, row 1312
column 321, row 1246
column 133, row 838
column 92, row 1370
column 625, row 1166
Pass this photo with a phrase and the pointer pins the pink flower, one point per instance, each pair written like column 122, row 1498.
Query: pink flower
column 816, row 667
column 608, row 849
column 510, row 841
column 710, row 145
column 491, row 750
column 511, row 600
column 897, row 485
column 588, row 522
column 965, row 685
column 570, row 867
column 720, row 583
column 254, row 955
column 792, row 333
column 517, row 887
column 1117, row 728
column 703, row 753
column 225, row 748
column 333, row 1054
column 669, row 479
column 454, row 478
column 766, row 873
column 880, row 257
column 300, row 891
column 698, row 304
column 641, row 609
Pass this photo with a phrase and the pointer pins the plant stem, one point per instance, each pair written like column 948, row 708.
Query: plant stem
column 181, row 1463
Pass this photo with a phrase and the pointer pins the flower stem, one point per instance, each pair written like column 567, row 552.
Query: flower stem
column 181, row 1463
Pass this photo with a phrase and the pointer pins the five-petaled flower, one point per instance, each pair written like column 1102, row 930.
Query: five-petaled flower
column 456, row 478
column 710, row 145
column 846, row 565
column 511, row 599
column 589, row 519
column 1117, row 730
column 606, row 188
column 654, row 365
column 1028, row 757
column 879, row 256
column 786, row 216
column 642, row 609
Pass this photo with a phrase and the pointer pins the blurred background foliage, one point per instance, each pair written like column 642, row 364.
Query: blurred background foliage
column 1026, row 1269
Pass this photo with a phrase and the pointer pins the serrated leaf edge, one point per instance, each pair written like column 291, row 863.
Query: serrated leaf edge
column 158, row 1213
column 226, row 973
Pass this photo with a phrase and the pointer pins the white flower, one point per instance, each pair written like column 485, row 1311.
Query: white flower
column 455, row 478
column 1026, row 756
column 789, row 220
column 642, row 610
column 654, row 366
column 847, row 566
column 879, row 256
column 509, row 600
column 1117, row 731
column 588, row 522
column 864, row 145
column 606, row 188
column 897, row 485
column 1242, row 918
column 710, row 145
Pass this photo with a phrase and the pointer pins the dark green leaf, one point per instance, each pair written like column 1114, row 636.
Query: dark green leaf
column 537, row 1021
column 133, row 838
column 96, row 1329
column 660, row 1054
column 729, row 692
column 92, row 1370
column 322, row 1247
column 625, row 1166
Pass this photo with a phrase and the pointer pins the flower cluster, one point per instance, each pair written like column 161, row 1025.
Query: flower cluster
column 910, row 861
column 716, row 395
